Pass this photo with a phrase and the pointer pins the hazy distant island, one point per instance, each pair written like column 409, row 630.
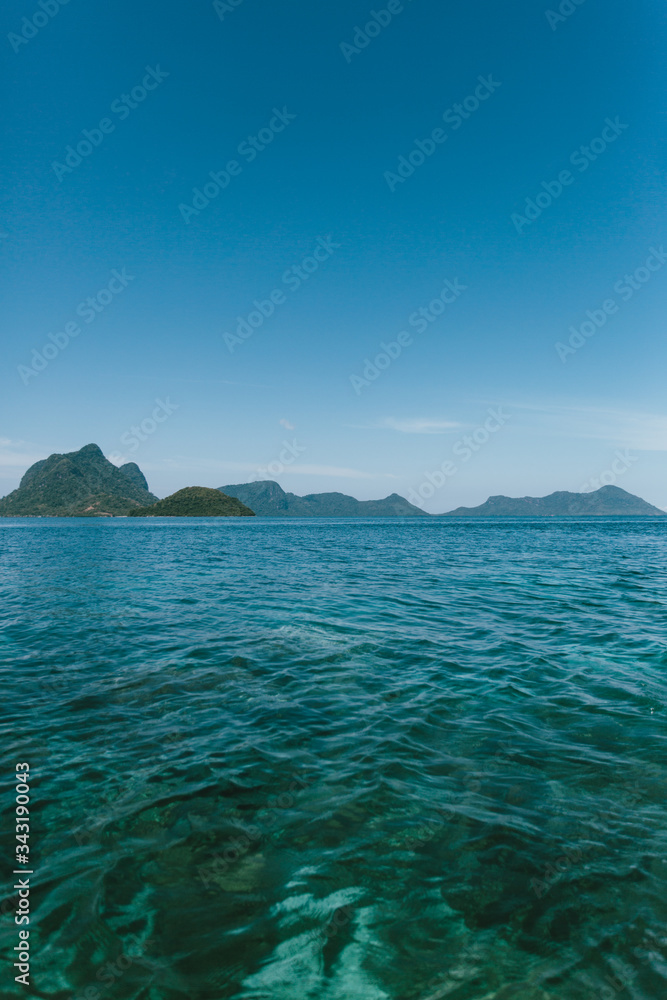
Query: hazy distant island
column 86, row 484
column 608, row 501
column 268, row 499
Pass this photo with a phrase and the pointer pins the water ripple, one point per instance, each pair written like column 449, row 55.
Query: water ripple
column 340, row 759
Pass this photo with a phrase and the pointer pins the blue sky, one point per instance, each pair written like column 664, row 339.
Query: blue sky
column 534, row 199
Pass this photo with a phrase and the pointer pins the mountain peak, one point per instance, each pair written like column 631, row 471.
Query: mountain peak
column 613, row 491
column 77, row 484
column 134, row 474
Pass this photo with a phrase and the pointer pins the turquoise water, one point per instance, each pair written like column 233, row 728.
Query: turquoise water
column 343, row 760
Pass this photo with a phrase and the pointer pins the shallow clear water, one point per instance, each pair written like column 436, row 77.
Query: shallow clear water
column 344, row 760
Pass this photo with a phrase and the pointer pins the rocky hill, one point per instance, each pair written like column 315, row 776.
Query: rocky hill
column 196, row 501
column 77, row 484
column 134, row 473
column 268, row 499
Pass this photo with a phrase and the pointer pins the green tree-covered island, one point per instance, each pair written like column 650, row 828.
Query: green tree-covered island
column 195, row 501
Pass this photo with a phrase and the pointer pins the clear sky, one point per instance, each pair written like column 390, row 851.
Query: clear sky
column 496, row 166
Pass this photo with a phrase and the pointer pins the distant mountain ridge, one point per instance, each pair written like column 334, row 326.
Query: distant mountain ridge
column 78, row 484
column 268, row 499
column 609, row 501
column 86, row 484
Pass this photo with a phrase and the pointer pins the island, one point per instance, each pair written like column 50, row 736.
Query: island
column 268, row 499
column 78, row 484
column 86, row 484
column 195, row 501
column 608, row 501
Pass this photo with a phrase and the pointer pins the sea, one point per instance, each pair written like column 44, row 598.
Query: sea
column 336, row 759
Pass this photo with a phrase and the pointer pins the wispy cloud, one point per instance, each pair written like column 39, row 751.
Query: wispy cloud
column 18, row 456
column 287, row 424
column 212, row 466
column 627, row 428
column 421, row 426
column 181, row 463
column 413, row 425
column 334, row 470
column 199, row 381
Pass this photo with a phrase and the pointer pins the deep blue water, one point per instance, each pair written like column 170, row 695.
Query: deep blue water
column 343, row 760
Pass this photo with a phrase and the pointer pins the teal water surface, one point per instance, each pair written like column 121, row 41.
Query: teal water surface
column 343, row 760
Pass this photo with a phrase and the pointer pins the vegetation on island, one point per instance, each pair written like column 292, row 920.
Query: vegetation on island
column 78, row 484
column 196, row 501
column 86, row 484
column 268, row 499
column 609, row 501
